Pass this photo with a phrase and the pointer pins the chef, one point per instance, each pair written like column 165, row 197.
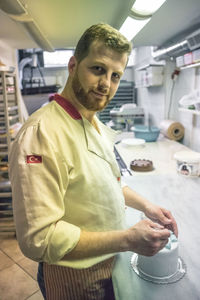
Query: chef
column 68, row 198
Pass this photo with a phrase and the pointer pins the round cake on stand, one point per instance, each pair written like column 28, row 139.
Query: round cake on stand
column 164, row 267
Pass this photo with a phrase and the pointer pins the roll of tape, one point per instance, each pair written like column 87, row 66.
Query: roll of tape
column 172, row 130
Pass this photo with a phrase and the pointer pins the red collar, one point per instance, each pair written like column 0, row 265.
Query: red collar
column 68, row 107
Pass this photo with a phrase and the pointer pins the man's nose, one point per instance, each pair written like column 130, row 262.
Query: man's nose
column 104, row 81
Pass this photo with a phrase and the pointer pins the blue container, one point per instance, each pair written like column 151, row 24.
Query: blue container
column 144, row 132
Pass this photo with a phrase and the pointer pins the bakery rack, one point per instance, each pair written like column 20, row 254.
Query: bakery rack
column 10, row 121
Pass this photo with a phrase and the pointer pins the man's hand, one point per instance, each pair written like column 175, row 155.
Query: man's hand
column 162, row 216
column 152, row 211
column 147, row 238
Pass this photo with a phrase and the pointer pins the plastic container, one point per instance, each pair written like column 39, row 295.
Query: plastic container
column 188, row 163
column 180, row 61
column 144, row 132
column 188, row 58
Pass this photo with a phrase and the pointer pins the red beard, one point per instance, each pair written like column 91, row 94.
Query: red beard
column 88, row 99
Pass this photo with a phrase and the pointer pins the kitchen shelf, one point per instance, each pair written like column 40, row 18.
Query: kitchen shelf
column 195, row 65
column 149, row 76
column 191, row 111
column 144, row 67
column 3, row 163
column 5, row 195
column 3, row 153
column 10, row 117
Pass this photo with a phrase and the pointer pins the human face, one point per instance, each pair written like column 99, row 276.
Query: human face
column 96, row 78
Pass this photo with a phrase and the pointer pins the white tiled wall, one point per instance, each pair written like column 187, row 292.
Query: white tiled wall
column 156, row 100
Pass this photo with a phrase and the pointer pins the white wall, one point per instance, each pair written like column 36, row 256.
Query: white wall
column 128, row 74
column 156, row 100
column 189, row 80
column 8, row 56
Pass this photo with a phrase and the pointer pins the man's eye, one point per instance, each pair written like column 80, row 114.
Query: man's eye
column 98, row 69
column 116, row 76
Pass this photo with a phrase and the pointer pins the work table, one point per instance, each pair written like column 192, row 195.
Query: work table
column 160, row 152
column 181, row 195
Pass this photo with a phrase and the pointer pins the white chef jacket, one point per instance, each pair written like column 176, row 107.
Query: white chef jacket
column 64, row 179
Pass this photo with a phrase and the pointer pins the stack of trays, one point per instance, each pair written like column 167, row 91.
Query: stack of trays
column 10, row 122
column 6, row 212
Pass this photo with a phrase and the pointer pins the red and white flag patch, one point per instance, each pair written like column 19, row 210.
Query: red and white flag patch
column 33, row 159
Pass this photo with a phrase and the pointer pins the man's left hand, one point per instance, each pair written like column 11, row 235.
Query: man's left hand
column 162, row 216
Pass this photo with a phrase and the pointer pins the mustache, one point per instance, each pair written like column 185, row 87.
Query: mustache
column 102, row 89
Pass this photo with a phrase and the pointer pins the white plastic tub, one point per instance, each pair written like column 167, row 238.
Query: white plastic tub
column 188, row 163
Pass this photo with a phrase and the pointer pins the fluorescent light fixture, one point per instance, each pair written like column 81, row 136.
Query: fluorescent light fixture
column 147, row 7
column 132, row 26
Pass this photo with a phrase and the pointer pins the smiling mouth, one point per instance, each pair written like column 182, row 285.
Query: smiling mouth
column 100, row 95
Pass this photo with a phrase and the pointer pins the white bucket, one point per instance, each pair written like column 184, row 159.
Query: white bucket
column 188, row 163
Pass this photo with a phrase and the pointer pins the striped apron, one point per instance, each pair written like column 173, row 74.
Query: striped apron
column 94, row 283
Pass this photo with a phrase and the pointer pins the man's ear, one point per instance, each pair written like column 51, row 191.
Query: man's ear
column 72, row 64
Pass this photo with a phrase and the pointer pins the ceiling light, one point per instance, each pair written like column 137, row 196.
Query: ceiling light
column 146, row 7
column 132, row 26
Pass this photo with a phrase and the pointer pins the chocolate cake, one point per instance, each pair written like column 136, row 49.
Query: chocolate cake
column 141, row 165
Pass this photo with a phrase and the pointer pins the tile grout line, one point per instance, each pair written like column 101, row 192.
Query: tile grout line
column 8, row 257
column 32, row 295
column 3, row 251
column 17, row 265
column 26, row 272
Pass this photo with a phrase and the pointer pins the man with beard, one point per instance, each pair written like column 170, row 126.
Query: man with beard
column 68, row 198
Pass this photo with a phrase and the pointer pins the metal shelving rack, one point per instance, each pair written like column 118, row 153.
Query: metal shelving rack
column 126, row 93
column 10, row 115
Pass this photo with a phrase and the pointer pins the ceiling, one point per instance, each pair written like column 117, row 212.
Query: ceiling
column 63, row 21
column 174, row 20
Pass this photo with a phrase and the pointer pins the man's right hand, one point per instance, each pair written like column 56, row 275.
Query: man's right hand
column 147, row 238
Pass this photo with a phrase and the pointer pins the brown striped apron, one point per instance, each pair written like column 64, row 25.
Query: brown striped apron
column 94, row 283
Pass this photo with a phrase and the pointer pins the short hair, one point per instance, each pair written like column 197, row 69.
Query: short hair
column 110, row 36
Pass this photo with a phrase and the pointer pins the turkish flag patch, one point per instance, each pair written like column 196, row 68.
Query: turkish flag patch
column 33, row 159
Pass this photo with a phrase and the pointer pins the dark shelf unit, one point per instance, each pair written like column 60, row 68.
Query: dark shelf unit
column 126, row 93
column 10, row 116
